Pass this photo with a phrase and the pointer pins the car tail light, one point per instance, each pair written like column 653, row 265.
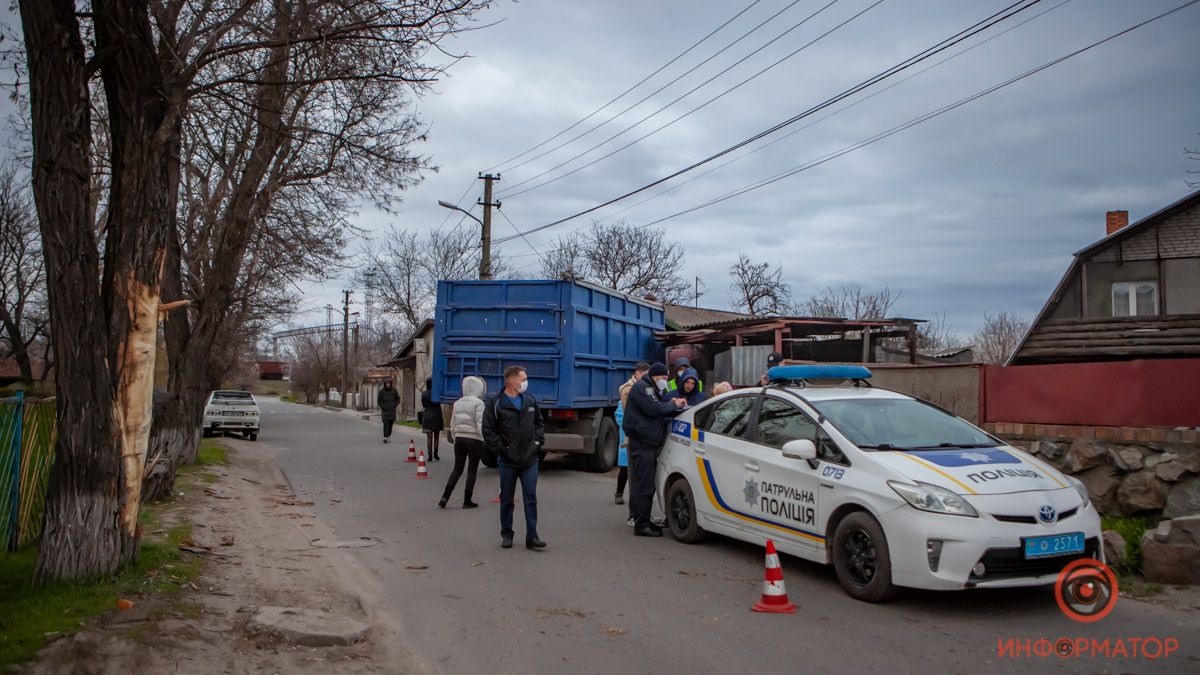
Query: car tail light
column 563, row 414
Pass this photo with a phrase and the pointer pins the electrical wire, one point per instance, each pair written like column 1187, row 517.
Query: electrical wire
column 618, row 97
column 647, row 97
column 962, row 35
column 912, row 122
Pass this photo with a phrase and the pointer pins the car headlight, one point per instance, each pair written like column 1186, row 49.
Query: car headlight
column 1082, row 490
column 932, row 498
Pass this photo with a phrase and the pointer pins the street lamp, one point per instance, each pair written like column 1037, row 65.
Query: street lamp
column 485, row 260
column 452, row 207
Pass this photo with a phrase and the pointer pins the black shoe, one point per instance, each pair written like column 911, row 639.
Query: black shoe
column 648, row 531
column 619, row 499
column 470, row 505
column 442, row 503
column 385, row 440
column 535, row 544
column 506, row 543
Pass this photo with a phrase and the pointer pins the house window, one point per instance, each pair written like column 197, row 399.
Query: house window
column 1135, row 298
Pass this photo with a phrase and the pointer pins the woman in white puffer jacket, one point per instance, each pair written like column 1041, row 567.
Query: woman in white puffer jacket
column 466, row 431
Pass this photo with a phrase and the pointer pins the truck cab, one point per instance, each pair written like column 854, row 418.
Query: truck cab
column 577, row 341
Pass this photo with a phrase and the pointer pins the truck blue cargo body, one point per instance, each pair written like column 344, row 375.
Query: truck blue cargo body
column 578, row 342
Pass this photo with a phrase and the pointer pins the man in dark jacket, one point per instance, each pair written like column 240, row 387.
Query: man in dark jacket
column 513, row 429
column 388, row 399
column 646, row 418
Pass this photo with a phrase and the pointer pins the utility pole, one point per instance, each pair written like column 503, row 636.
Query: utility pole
column 485, row 260
column 345, row 343
column 696, row 298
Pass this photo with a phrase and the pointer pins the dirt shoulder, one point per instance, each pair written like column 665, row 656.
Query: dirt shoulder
column 256, row 542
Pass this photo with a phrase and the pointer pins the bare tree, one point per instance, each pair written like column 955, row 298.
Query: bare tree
column 757, row 290
column 634, row 260
column 408, row 267
column 850, row 301
column 937, row 334
column 315, row 365
column 999, row 336
column 23, row 310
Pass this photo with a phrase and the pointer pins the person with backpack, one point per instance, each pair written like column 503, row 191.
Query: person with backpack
column 513, row 429
column 466, row 433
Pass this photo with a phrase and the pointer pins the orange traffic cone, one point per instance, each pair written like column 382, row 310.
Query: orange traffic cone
column 774, row 594
column 422, row 471
column 412, row 451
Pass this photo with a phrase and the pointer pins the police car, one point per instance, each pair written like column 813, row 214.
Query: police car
column 890, row 490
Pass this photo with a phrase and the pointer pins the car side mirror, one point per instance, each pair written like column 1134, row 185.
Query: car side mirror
column 800, row 449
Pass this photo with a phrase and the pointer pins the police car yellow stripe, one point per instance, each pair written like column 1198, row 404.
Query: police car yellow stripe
column 1049, row 472
column 933, row 468
column 714, row 497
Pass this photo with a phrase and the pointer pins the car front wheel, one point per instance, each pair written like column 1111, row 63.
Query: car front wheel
column 681, row 514
column 861, row 558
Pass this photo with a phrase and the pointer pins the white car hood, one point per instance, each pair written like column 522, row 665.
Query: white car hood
column 975, row 471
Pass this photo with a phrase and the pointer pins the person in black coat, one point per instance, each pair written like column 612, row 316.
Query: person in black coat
column 646, row 418
column 388, row 400
column 513, row 429
column 431, row 421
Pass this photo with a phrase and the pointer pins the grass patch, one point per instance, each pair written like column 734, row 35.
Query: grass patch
column 409, row 423
column 31, row 615
column 1131, row 529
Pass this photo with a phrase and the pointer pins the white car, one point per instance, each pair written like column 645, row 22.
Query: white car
column 232, row 411
column 891, row 490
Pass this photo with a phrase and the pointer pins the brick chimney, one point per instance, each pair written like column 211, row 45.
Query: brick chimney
column 1115, row 221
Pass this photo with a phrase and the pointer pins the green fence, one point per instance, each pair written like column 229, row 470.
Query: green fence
column 27, row 438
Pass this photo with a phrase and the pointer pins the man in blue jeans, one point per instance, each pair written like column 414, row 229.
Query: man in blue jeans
column 513, row 429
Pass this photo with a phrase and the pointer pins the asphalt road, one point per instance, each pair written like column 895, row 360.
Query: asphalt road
column 600, row 600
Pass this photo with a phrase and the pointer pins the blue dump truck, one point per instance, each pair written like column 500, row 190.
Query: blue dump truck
column 578, row 343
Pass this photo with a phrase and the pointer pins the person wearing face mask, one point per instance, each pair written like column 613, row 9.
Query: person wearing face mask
column 513, row 429
column 645, row 425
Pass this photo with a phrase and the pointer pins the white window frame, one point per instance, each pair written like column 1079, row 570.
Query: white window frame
column 1130, row 288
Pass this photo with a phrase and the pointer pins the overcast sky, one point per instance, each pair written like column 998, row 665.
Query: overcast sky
column 976, row 211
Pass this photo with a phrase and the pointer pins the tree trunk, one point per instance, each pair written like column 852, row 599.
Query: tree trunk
column 83, row 534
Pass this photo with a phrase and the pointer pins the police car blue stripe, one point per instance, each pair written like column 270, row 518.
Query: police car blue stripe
column 714, row 494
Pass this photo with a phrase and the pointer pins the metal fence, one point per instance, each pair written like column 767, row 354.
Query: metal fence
column 27, row 439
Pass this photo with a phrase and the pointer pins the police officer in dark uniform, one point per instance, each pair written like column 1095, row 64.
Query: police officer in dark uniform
column 646, row 418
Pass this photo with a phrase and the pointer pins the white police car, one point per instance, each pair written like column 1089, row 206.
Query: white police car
column 891, row 490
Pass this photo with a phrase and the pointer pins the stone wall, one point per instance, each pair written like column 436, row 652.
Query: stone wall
column 1159, row 480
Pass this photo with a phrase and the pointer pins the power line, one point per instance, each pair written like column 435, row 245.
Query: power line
column 864, row 99
column 912, row 122
column 518, row 231
column 510, row 192
column 647, row 97
column 962, row 35
column 497, row 167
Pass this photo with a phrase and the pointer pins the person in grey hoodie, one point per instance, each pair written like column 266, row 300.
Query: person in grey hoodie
column 466, row 432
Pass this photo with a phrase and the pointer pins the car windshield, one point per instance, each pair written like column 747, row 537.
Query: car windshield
column 900, row 424
column 232, row 397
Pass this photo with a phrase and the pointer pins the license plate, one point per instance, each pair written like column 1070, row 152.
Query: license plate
column 1052, row 545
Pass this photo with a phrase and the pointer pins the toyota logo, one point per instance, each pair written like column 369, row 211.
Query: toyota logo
column 1047, row 514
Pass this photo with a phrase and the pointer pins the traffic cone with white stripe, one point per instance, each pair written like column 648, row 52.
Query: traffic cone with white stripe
column 774, row 594
column 422, row 470
column 412, row 451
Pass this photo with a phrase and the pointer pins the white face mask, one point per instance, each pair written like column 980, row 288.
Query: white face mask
column 662, row 385
column 523, row 386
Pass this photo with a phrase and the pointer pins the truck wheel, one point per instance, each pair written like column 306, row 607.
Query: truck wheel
column 605, row 456
column 488, row 458
column 861, row 558
column 681, row 514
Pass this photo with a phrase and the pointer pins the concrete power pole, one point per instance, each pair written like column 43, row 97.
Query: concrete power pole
column 345, row 343
column 485, row 261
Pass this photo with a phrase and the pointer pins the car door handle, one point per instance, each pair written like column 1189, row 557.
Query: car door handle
column 698, row 450
column 827, row 485
column 751, row 466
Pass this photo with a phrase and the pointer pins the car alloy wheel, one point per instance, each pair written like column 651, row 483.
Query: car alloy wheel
column 861, row 557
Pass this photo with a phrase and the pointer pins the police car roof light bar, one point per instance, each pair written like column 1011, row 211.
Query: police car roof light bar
column 782, row 374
